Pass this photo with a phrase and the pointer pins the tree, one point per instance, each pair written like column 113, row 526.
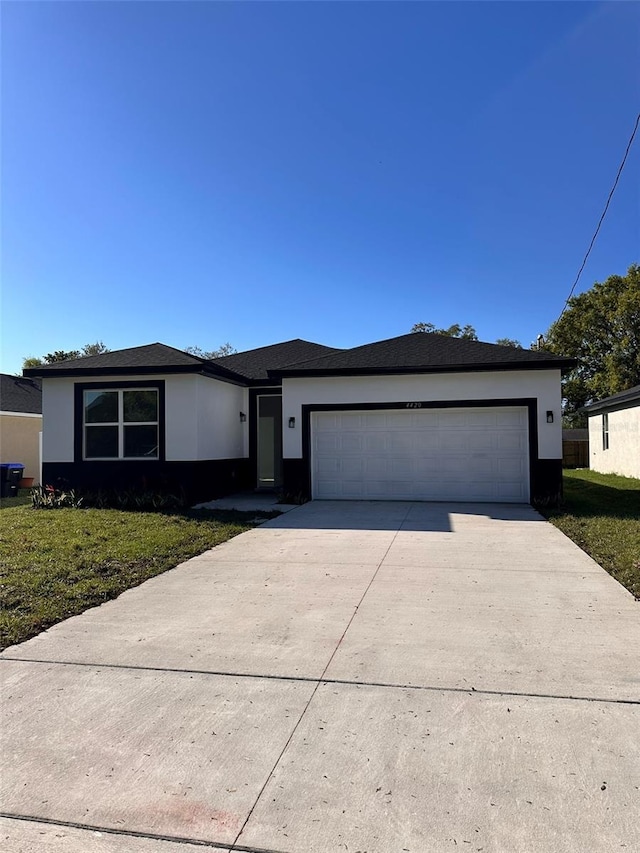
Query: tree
column 65, row 355
column 51, row 358
column 94, row 349
column 466, row 332
column 601, row 328
column 224, row 349
column 455, row 331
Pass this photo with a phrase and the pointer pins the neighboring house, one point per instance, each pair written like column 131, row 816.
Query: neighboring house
column 21, row 422
column 575, row 448
column 417, row 417
column 614, row 433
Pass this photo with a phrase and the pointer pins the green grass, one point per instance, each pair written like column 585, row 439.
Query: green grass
column 23, row 498
column 601, row 513
column 59, row 562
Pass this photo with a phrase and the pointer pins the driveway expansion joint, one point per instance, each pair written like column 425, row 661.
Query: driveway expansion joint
column 345, row 682
column 132, row 833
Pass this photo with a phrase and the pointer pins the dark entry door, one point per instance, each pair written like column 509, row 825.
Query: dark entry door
column 269, row 441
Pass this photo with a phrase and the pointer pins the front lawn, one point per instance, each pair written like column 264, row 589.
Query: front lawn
column 56, row 563
column 23, row 498
column 601, row 513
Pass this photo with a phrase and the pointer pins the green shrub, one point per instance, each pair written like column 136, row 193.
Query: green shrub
column 133, row 499
column 46, row 497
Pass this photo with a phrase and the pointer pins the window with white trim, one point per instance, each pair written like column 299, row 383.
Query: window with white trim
column 605, row 432
column 120, row 423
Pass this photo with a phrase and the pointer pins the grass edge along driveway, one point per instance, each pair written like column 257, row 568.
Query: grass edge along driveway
column 60, row 562
column 601, row 514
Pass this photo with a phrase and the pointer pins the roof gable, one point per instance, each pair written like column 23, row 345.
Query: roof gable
column 423, row 352
column 19, row 394
column 255, row 364
column 243, row 367
column 150, row 355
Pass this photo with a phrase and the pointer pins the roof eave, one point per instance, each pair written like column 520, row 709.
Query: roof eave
column 611, row 405
column 210, row 371
column 564, row 365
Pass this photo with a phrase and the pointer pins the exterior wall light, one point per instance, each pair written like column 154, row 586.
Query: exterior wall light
column 549, row 417
column 243, row 417
column 292, row 423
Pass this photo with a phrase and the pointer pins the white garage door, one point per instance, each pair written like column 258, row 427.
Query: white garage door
column 476, row 454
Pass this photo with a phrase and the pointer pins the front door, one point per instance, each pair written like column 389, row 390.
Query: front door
column 269, row 441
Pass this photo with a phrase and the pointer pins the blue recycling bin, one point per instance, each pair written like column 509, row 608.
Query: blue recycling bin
column 10, row 476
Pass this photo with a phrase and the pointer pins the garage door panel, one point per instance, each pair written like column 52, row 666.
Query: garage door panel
column 403, row 420
column 507, row 492
column 480, row 466
column 352, row 442
column 431, row 465
column 329, row 466
column 328, row 442
column 510, row 469
column 340, row 422
column 402, row 442
column 375, row 442
column 511, row 418
column 328, row 420
column 375, row 421
column 434, row 454
column 404, row 468
column 376, row 467
column 426, row 442
column 464, row 441
column 481, row 418
column 352, row 468
column 480, row 442
column 510, row 441
column 356, row 487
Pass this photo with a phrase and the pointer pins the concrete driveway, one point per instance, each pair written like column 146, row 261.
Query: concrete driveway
column 372, row 677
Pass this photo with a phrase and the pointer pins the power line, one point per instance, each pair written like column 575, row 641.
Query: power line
column 604, row 213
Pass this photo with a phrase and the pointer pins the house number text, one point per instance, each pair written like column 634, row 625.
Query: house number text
column 414, row 405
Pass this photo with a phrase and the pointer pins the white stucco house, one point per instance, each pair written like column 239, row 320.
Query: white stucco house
column 614, row 433
column 419, row 417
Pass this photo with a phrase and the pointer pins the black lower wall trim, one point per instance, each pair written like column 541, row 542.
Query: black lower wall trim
column 296, row 478
column 198, row 481
column 546, row 482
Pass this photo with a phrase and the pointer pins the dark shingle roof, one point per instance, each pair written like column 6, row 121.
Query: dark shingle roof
column 424, row 352
column 415, row 352
column 255, row 363
column 622, row 399
column 151, row 355
column 149, row 359
column 240, row 367
column 19, row 394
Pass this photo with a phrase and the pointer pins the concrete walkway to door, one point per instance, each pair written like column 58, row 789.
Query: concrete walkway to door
column 353, row 676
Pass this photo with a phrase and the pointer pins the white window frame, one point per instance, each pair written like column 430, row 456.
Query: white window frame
column 605, row 431
column 120, row 423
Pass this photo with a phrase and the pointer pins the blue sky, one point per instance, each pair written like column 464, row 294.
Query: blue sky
column 196, row 173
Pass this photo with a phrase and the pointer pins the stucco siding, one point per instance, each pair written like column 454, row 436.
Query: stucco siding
column 623, row 455
column 543, row 385
column 19, row 441
column 220, row 433
column 57, row 420
column 181, row 424
column 202, row 417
